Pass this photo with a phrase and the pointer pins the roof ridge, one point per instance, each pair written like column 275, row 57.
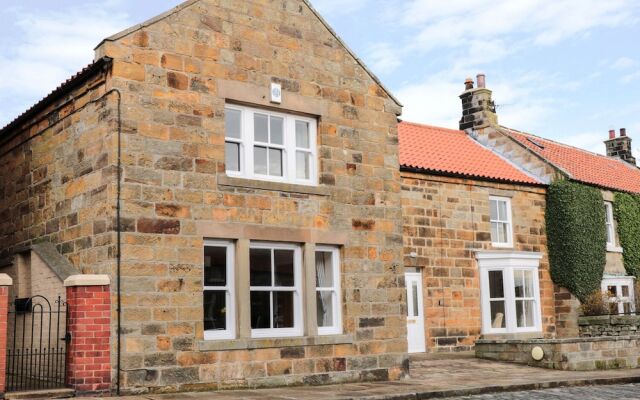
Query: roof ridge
column 562, row 144
column 432, row 126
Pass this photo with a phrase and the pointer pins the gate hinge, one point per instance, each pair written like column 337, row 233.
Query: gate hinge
column 67, row 337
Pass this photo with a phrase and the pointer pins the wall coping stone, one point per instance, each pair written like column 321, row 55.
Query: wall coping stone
column 87, row 280
column 225, row 180
column 248, row 344
column 609, row 320
column 5, row 280
column 559, row 341
column 58, row 263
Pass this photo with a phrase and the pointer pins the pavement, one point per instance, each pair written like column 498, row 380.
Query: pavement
column 432, row 376
column 606, row 392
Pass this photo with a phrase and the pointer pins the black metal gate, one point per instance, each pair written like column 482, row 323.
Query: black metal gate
column 36, row 344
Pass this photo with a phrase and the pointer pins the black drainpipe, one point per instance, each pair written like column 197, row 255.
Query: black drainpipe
column 119, row 240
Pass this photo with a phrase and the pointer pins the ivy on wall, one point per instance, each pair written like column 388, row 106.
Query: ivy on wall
column 626, row 208
column 576, row 236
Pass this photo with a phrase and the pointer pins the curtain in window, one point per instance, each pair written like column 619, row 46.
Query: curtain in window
column 323, row 280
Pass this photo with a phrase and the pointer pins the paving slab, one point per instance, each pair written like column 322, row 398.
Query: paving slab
column 431, row 377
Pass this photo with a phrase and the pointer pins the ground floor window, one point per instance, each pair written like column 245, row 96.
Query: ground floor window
column 509, row 291
column 274, row 274
column 219, row 310
column 276, row 306
column 619, row 290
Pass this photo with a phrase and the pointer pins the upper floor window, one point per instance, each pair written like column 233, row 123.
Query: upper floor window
column 501, row 221
column 610, row 225
column 269, row 145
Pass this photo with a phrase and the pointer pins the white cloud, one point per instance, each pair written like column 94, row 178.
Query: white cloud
column 49, row 47
column 623, row 63
column 631, row 77
column 384, row 58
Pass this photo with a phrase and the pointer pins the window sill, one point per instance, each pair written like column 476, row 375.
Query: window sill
column 249, row 344
column 614, row 249
column 512, row 336
column 225, row 180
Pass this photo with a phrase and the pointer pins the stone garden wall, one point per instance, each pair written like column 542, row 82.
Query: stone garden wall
column 609, row 325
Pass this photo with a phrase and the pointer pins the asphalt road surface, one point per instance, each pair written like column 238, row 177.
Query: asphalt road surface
column 608, row 392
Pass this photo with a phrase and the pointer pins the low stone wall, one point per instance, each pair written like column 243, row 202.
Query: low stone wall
column 575, row 354
column 609, row 325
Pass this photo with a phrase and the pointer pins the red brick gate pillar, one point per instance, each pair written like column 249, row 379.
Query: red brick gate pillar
column 89, row 324
column 5, row 284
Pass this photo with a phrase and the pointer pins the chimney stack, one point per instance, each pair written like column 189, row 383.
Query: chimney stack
column 478, row 109
column 620, row 146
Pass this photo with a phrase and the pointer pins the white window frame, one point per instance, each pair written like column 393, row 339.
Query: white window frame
column 289, row 146
column 508, row 222
column 611, row 228
column 618, row 282
column 297, row 329
column 508, row 262
column 336, row 328
column 230, row 332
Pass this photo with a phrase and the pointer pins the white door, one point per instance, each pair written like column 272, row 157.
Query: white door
column 415, row 313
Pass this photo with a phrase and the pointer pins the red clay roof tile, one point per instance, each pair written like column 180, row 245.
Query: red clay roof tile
column 453, row 152
column 582, row 165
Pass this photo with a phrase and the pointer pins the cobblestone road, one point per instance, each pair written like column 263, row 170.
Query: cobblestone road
column 609, row 392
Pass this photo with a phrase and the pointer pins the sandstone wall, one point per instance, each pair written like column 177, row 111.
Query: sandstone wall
column 176, row 75
column 445, row 221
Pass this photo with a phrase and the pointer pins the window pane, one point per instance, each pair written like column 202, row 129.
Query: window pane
column 524, row 313
column 260, row 310
column 613, row 291
column 497, row 314
column 528, row 283
column 518, row 283
column 232, row 156
column 504, row 232
column 302, row 165
column 275, row 162
column 324, row 269
column 283, row 309
column 496, row 287
column 324, row 305
column 494, row 232
column 232, row 123
column 613, row 308
column 502, row 211
column 493, row 207
column 260, row 160
column 215, row 266
column 626, row 308
column 260, row 267
column 302, row 134
column 609, row 234
column 414, row 298
column 625, row 290
column 215, row 311
column 607, row 211
column 283, row 263
column 277, row 127
column 261, row 128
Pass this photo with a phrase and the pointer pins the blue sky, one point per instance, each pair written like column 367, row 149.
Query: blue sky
column 564, row 69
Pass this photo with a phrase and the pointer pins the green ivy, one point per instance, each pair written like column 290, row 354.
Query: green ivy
column 576, row 236
column 626, row 209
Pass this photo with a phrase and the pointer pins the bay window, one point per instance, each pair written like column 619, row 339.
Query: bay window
column 268, row 145
column 509, row 290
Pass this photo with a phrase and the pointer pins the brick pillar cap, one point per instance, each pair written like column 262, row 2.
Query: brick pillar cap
column 87, row 280
column 5, row 280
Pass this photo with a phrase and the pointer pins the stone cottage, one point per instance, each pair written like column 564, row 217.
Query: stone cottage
column 548, row 161
column 232, row 167
column 474, row 243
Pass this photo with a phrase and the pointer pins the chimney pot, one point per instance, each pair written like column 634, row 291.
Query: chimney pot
column 612, row 134
column 468, row 83
column 623, row 131
column 481, row 79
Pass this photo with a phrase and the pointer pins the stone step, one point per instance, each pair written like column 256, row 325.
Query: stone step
column 41, row 394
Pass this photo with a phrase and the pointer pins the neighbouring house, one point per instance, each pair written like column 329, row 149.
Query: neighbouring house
column 474, row 243
column 226, row 174
column 550, row 161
